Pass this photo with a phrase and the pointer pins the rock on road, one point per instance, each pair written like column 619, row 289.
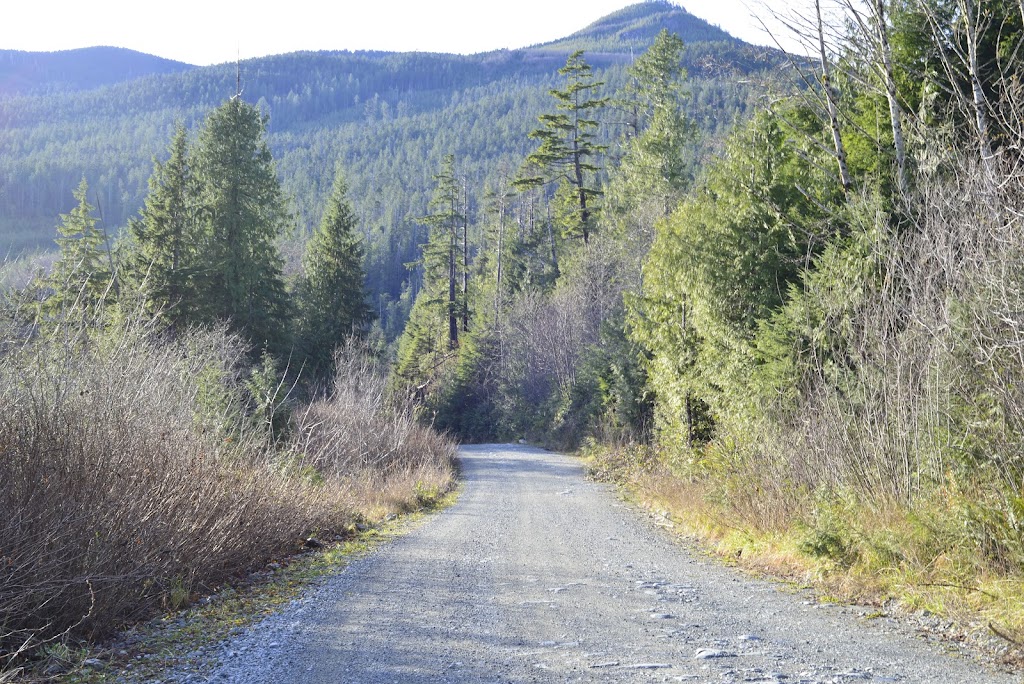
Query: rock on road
column 538, row 575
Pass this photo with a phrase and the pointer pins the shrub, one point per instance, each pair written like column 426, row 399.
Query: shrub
column 136, row 473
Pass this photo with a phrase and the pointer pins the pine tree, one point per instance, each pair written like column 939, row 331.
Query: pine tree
column 432, row 332
column 164, row 252
column 654, row 170
column 82, row 276
column 443, row 260
column 331, row 297
column 243, row 212
column 568, row 142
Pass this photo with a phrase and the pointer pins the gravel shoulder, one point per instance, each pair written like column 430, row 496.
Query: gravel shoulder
column 538, row 575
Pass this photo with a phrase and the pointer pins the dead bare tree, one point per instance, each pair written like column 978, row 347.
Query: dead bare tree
column 830, row 99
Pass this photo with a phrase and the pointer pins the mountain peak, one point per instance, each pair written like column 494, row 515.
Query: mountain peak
column 635, row 27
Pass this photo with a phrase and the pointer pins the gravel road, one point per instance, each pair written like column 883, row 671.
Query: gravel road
column 537, row 575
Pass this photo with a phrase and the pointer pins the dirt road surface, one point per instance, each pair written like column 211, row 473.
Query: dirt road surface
column 538, row 575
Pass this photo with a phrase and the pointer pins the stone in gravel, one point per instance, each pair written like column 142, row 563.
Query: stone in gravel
column 749, row 637
column 660, row 616
column 646, row 666
column 92, row 662
column 708, row 653
column 610, row 663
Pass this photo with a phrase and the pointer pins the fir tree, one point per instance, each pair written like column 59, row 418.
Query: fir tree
column 164, row 256
column 82, row 276
column 568, row 142
column 654, row 170
column 433, row 328
column 331, row 297
column 243, row 212
column 443, row 261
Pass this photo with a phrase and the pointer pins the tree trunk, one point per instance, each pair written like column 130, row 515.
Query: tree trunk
column 453, row 314
column 979, row 100
column 551, row 241
column 465, row 256
column 895, row 115
column 830, row 99
column 501, row 244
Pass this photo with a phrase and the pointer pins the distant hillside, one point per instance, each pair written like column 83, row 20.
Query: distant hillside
column 24, row 73
column 388, row 118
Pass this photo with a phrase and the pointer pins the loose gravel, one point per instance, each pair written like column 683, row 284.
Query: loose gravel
column 537, row 575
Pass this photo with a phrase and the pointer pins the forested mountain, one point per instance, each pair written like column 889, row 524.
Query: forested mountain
column 634, row 29
column 389, row 118
column 32, row 73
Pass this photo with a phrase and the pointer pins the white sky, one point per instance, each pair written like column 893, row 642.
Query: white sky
column 213, row 31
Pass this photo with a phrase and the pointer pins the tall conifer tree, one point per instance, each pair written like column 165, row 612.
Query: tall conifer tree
column 82, row 275
column 243, row 212
column 331, row 297
column 433, row 328
column 568, row 144
column 164, row 258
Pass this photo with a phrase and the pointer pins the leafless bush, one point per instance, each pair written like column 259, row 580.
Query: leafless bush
column 132, row 476
column 927, row 378
column 362, row 436
column 546, row 338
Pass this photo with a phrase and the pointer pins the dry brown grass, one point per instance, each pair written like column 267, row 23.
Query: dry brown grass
column 132, row 477
column 363, row 438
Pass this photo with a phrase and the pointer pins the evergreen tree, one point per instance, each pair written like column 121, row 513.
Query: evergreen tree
column 568, row 142
column 165, row 239
column 443, row 260
column 243, row 213
column 433, row 328
column 655, row 168
column 331, row 297
column 82, row 276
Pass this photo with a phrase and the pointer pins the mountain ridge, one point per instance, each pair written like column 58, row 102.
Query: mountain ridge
column 387, row 118
column 25, row 72
column 609, row 39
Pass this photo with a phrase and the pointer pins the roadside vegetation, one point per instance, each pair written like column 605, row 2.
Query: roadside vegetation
column 157, row 440
column 807, row 344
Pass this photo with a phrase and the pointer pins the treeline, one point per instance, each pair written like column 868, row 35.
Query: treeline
column 388, row 119
column 521, row 331
column 205, row 250
column 815, row 333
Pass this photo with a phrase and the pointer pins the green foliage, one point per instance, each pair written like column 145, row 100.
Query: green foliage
column 243, row 214
column 465, row 404
column 164, row 256
column 268, row 398
column 81, row 278
column 719, row 266
column 568, row 147
column 655, row 168
column 388, row 119
column 829, row 534
column 442, row 303
column 330, row 294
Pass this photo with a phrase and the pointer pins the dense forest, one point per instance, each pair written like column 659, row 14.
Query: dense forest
column 388, row 118
column 783, row 293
